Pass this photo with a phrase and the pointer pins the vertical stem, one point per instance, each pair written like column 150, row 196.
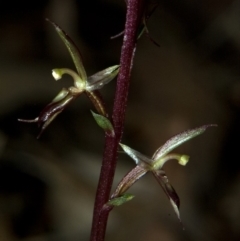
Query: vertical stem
column 100, row 215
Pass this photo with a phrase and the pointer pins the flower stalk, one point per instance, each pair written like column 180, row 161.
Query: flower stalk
column 100, row 215
column 113, row 126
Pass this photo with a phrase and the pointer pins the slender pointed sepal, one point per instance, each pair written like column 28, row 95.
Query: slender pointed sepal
column 52, row 110
column 101, row 78
column 128, row 180
column 73, row 50
column 96, row 98
column 169, row 190
column 61, row 95
column 138, row 157
column 178, row 140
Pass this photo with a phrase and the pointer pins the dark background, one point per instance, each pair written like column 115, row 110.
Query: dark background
column 47, row 186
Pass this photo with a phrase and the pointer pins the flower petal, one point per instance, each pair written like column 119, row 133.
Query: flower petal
column 73, row 50
column 101, row 78
column 79, row 83
column 131, row 177
column 49, row 113
column 96, row 98
column 178, row 140
column 61, row 95
column 158, row 164
column 138, row 157
column 169, row 190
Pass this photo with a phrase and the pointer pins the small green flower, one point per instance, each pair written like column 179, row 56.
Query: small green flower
column 82, row 84
column 155, row 165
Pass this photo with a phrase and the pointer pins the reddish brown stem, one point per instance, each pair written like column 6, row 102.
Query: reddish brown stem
column 100, row 215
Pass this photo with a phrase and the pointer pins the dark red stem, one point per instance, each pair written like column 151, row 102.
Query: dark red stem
column 100, row 215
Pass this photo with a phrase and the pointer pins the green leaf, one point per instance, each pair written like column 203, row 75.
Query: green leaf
column 73, row 50
column 103, row 122
column 118, row 201
column 179, row 140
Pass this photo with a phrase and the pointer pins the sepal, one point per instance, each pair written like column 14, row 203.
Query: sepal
column 73, row 50
column 178, row 140
column 101, row 78
column 50, row 112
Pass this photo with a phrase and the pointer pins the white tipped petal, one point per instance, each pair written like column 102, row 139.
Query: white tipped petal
column 183, row 160
column 158, row 164
column 56, row 73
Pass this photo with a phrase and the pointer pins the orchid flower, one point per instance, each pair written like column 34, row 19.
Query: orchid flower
column 155, row 166
column 82, row 84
